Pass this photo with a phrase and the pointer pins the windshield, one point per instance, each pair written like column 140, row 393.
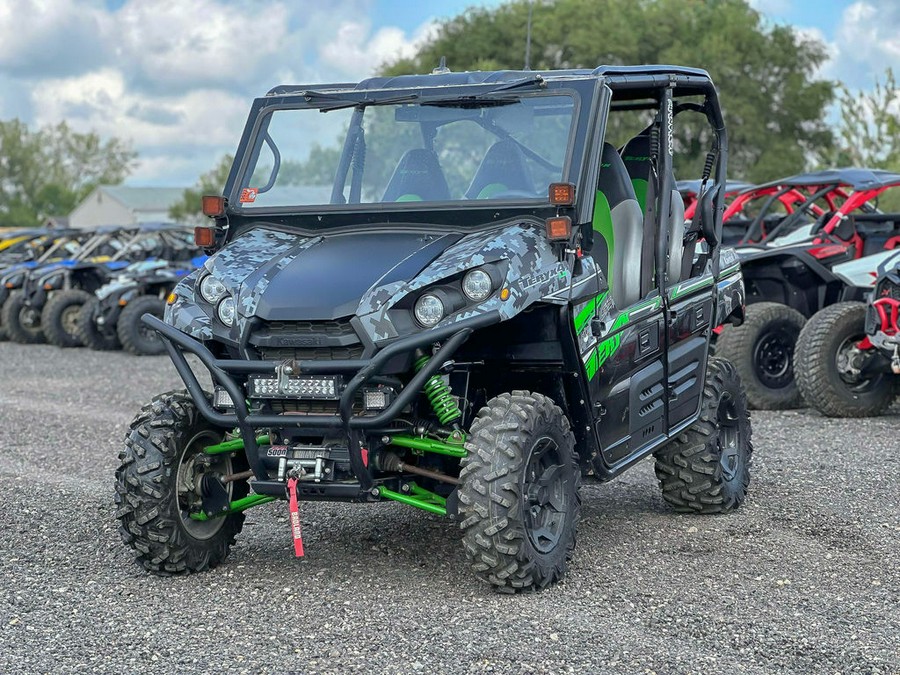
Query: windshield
column 507, row 148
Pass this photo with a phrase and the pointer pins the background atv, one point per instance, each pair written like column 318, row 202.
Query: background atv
column 37, row 250
column 112, row 318
column 848, row 354
column 791, row 277
column 51, row 299
column 487, row 303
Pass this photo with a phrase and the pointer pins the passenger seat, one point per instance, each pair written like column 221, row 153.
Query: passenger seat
column 636, row 157
column 619, row 223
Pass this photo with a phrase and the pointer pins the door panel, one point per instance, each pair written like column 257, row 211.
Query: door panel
column 629, row 381
column 689, row 323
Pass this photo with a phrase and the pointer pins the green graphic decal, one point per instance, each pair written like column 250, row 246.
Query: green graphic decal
column 606, row 347
column 584, row 316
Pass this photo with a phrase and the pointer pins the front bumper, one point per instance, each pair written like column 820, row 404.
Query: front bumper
column 224, row 372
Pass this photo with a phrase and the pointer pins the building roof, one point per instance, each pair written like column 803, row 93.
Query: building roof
column 143, row 198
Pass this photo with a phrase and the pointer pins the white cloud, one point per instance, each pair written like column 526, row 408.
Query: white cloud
column 355, row 54
column 177, row 78
column 167, row 43
column 867, row 42
column 52, row 37
column 208, row 120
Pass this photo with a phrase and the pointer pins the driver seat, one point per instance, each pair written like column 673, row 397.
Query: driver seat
column 502, row 169
column 418, row 177
column 618, row 222
column 636, row 156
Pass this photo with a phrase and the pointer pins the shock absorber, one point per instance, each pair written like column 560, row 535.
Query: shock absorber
column 439, row 395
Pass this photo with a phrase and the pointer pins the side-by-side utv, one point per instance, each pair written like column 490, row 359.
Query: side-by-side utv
column 479, row 303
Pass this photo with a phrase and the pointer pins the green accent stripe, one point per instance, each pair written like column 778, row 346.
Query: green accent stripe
column 640, row 192
column 683, row 289
column 603, row 225
column 585, row 314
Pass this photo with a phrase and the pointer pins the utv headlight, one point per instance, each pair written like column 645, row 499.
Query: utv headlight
column 477, row 285
column 226, row 311
column 429, row 310
column 211, row 289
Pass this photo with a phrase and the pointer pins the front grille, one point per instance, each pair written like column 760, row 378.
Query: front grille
column 337, row 328
column 306, row 340
column 317, row 354
column 310, row 407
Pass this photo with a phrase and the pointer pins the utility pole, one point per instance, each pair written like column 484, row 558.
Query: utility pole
column 528, row 37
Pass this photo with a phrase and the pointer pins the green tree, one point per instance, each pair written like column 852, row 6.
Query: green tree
column 48, row 171
column 868, row 131
column 189, row 208
column 774, row 105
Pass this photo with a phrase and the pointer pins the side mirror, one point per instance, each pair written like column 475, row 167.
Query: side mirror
column 706, row 212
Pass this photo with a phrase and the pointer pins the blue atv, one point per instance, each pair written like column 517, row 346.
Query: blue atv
column 112, row 318
column 41, row 249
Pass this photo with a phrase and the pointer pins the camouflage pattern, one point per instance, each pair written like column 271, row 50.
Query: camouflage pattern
column 247, row 265
column 533, row 273
column 185, row 314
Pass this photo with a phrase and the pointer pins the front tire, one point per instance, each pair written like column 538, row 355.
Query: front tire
column 762, row 351
column 824, row 352
column 22, row 323
column 156, row 488
column 60, row 317
column 706, row 469
column 100, row 339
column 518, row 492
column 137, row 338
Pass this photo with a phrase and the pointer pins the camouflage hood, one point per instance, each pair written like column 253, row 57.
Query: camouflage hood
column 279, row 276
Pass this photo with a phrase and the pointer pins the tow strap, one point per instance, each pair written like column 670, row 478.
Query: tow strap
column 296, row 531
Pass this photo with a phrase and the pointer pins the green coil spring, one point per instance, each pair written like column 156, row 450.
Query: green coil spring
column 439, row 395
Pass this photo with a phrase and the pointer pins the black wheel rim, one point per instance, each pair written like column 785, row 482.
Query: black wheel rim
column 773, row 357
column 843, row 358
column 187, row 482
column 545, row 495
column 729, row 440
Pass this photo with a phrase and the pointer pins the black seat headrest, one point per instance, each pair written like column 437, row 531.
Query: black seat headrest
column 503, row 166
column 614, row 182
column 418, row 176
column 636, row 155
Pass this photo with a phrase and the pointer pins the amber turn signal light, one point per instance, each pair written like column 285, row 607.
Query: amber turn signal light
column 213, row 205
column 204, row 236
column 171, row 299
column 562, row 194
column 559, row 228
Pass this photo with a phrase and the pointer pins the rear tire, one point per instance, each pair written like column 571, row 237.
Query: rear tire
column 22, row 324
column 762, row 351
column 706, row 469
column 518, row 492
column 60, row 317
column 137, row 338
column 153, row 492
column 825, row 338
column 90, row 334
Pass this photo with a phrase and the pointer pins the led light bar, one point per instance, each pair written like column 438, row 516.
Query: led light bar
column 322, row 387
column 222, row 399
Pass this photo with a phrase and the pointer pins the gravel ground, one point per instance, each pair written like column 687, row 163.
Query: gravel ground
column 803, row 579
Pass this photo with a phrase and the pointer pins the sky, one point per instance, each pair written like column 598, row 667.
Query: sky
column 176, row 77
